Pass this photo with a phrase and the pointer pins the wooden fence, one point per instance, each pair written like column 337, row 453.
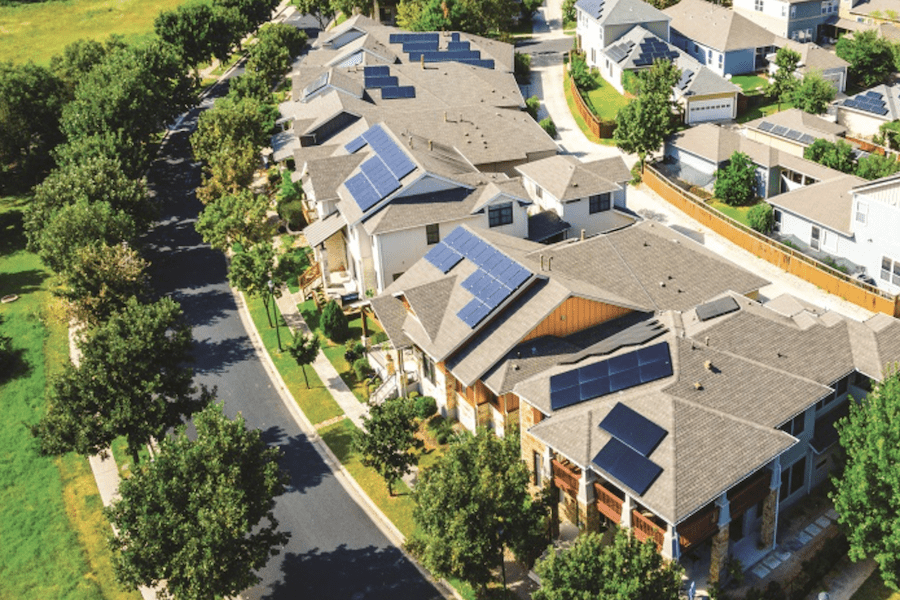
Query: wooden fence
column 602, row 129
column 819, row 274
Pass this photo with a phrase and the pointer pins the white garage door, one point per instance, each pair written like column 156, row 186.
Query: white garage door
column 710, row 110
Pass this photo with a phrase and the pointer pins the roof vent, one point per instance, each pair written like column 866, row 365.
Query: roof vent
column 662, row 284
column 515, row 367
column 708, row 365
column 698, row 385
column 707, row 340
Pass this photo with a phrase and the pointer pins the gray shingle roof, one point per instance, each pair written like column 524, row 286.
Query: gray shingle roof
column 718, row 27
column 544, row 225
column 621, row 12
column 567, row 178
column 801, row 121
column 828, row 203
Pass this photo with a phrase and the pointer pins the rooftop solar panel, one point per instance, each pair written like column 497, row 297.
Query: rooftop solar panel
column 394, row 158
column 633, row 429
column 717, row 308
column 454, row 36
column 395, row 92
column 566, row 397
column 793, row 134
column 362, row 191
column 451, row 261
column 381, row 82
column 807, row 139
column 875, row 95
column 779, row 130
column 623, row 362
column 624, row 380
column 458, row 46
column 355, row 145
column 376, row 71
column 379, row 176
column 594, row 388
column 631, row 469
column 655, row 370
column 598, row 370
column 685, row 78
column 475, row 312
column 766, row 126
column 655, row 353
column 564, row 380
column 455, row 236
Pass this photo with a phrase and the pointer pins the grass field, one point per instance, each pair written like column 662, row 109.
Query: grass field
column 52, row 530
column 570, row 100
column 749, row 83
column 40, row 30
column 738, row 213
column 605, row 100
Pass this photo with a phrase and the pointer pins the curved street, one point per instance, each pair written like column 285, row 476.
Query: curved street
column 336, row 551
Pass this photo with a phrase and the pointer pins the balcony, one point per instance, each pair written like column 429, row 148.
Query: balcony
column 566, row 476
column 700, row 527
column 608, row 504
column 645, row 528
column 748, row 492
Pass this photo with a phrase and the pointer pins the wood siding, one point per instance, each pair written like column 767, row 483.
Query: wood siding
column 574, row 315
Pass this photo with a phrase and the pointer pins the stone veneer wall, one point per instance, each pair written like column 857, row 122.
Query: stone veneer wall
column 767, row 527
column 718, row 555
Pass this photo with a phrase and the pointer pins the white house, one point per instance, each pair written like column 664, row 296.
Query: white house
column 865, row 112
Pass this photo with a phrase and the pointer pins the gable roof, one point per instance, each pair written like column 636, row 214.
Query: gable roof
column 890, row 94
column 567, row 178
column 798, row 120
column 828, row 203
column 717, row 27
column 814, row 57
column 621, row 12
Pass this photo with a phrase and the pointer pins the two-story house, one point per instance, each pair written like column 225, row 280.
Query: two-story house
column 800, row 20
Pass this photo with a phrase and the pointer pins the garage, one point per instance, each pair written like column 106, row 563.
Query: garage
column 700, row 111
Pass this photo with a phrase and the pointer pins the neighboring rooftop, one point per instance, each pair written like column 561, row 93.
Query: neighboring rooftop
column 621, row 12
column 717, row 27
column 880, row 102
column 567, row 178
column 828, row 203
column 786, row 122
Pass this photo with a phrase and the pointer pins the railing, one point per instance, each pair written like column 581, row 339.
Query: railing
column 829, row 279
column 699, row 527
column 308, row 278
column 389, row 388
column 748, row 493
column 565, row 476
column 645, row 528
column 608, row 504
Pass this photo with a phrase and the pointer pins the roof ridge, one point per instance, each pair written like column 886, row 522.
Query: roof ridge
column 631, row 272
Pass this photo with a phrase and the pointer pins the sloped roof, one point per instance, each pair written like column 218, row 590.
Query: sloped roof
column 621, row 12
column 828, row 203
column 544, row 225
column 801, row 121
column 891, row 96
column 814, row 57
column 567, row 178
column 717, row 27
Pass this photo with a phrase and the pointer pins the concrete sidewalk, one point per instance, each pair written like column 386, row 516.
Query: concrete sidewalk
column 352, row 407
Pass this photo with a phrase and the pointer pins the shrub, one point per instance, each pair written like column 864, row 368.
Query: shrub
column 379, row 338
column 425, row 406
column 354, row 352
column 761, row 217
column 549, row 126
column 362, row 369
column 532, row 105
column 581, row 74
column 292, row 264
column 569, row 13
column 522, row 67
column 292, row 212
column 636, row 174
column 736, row 183
column 334, row 322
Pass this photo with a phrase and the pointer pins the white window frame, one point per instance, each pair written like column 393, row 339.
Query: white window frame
column 758, row 5
column 815, row 237
column 862, row 212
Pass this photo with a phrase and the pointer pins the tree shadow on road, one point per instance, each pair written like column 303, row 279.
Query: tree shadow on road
column 299, row 458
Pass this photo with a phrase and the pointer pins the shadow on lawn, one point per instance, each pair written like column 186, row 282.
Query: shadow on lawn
column 22, row 282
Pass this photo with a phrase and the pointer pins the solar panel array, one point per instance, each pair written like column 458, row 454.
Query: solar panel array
column 626, row 455
column 381, row 81
column 426, row 47
column 495, row 279
column 380, row 175
column 612, row 375
column 377, row 71
column 653, row 49
column 791, row 134
column 685, row 79
column 870, row 101
column 403, row 38
column 591, row 7
column 620, row 51
column 398, row 91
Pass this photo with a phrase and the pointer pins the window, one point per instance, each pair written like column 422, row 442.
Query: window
column 777, row 226
column 709, row 54
column 502, row 214
column 862, row 212
column 428, row 368
column 814, row 238
column 888, row 273
column 795, row 426
column 696, row 49
column 721, row 60
column 593, row 56
column 896, row 278
column 784, row 10
column 758, row 5
column 793, row 478
column 432, row 234
column 598, row 203
column 538, row 467
column 793, row 10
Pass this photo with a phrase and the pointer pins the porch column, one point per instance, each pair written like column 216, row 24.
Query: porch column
column 401, row 373
column 627, row 507
column 768, row 528
column 671, row 549
column 719, row 552
column 588, row 515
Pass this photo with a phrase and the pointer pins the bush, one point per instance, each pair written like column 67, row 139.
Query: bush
column 736, row 184
column 440, row 428
column 379, row 338
column 569, row 13
column 761, row 217
column 292, row 212
column 362, row 369
column 292, row 264
column 581, row 74
column 532, row 105
column 549, row 126
column 334, row 322
column 354, row 352
column 522, row 66
column 425, row 406
column 636, row 174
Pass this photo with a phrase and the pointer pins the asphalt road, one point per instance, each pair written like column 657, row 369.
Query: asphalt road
column 335, row 550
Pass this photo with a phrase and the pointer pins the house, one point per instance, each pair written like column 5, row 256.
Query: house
column 723, row 40
column 792, row 130
column 588, row 197
column 881, row 12
column 864, row 113
column 624, row 360
column 694, row 156
column 850, row 221
column 601, row 23
column 815, row 59
column 800, row 20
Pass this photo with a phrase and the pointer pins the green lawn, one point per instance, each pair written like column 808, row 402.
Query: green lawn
column 37, row 31
column 315, row 402
column 570, row 100
column 738, row 213
column 749, row 83
column 52, row 530
column 605, row 100
column 763, row 111
column 874, row 589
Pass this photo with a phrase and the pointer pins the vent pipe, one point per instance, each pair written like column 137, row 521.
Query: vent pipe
column 582, row 235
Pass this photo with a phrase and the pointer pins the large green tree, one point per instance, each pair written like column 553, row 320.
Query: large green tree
column 643, row 124
column 480, row 17
column 132, row 381
column 198, row 31
column 234, row 218
column 736, row 183
column 278, row 44
column 200, row 518
column 813, row 94
column 784, row 81
column 876, row 166
column 387, row 440
column 31, row 98
column 117, row 147
column 626, row 570
column 870, row 56
column 867, row 493
column 472, row 505
column 80, row 57
column 834, row 155
column 251, row 271
column 246, row 15
column 322, row 10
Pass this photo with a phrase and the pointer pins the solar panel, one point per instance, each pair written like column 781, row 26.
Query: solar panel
column 636, row 472
column 779, row 130
column 807, row 139
column 395, row 92
column 376, row 71
column 766, row 126
column 454, row 36
column 655, row 370
column 316, row 85
column 623, row 362
column 381, row 82
column 564, row 380
column 474, row 312
column 362, row 191
column 633, row 429
column 379, row 176
column 355, row 145
column 474, row 281
column 685, row 78
column 793, row 134
column 566, row 397
column 458, row 46
column 394, row 158
column 455, row 236
column 875, row 95
column 850, row 103
column 654, row 353
column 435, row 254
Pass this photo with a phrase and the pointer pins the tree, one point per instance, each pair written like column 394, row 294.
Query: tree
column 761, row 217
column 532, row 106
column 251, row 270
column 321, row 9
column 131, row 382
column 250, row 85
column 117, row 147
column 480, row 17
column 234, row 218
column 387, row 440
column 876, row 166
column 80, row 225
column 304, row 349
column 472, row 505
column 643, row 124
column 80, row 57
column 625, row 569
column 867, row 494
column 246, row 15
column 838, row 156
column 198, row 31
column 870, row 56
column 277, row 46
column 813, row 94
column 783, row 81
column 334, row 322
column 101, row 279
column 31, row 98
column 200, row 517
column 568, row 12
column 736, row 183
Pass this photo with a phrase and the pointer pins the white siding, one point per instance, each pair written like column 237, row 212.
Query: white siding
column 857, row 123
column 877, row 236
